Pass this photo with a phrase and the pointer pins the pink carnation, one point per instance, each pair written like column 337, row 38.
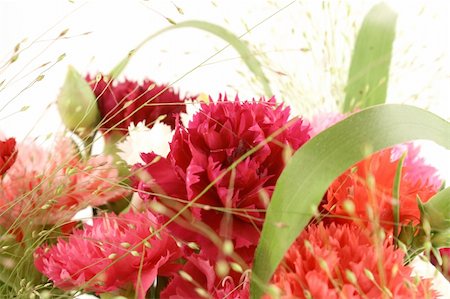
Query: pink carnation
column 219, row 134
column 416, row 169
column 115, row 253
column 324, row 120
column 50, row 186
column 122, row 103
column 205, row 281
column 341, row 261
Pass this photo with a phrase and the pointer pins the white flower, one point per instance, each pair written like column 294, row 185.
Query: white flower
column 87, row 296
column 85, row 215
column 424, row 269
column 192, row 107
column 144, row 140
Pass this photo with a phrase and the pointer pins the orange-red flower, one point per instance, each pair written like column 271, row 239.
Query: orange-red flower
column 368, row 187
column 341, row 261
column 121, row 103
column 115, row 253
column 8, row 154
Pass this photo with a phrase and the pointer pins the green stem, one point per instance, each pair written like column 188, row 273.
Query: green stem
column 396, row 198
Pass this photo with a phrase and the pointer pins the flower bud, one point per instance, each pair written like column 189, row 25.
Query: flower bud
column 407, row 234
column 77, row 104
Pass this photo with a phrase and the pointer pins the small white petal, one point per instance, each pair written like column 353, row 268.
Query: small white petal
column 85, row 215
column 85, row 296
column 191, row 109
column 144, row 140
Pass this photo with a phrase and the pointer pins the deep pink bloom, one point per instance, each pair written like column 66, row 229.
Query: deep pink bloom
column 115, row 253
column 49, row 186
column 445, row 267
column 341, row 261
column 220, row 134
column 8, row 154
column 205, row 281
column 121, row 103
column 354, row 186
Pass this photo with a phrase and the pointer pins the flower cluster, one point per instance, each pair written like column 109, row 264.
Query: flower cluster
column 202, row 188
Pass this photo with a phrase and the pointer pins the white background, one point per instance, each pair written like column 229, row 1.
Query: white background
column 304, row 46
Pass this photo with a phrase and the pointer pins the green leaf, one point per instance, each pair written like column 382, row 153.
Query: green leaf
column 437, row 210
column 369, row 69
column 396, row 196
column 77, row 104
column 233, row 40
column 315, row 165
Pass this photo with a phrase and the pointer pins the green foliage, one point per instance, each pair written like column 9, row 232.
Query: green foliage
column 77, row 104
column 239, row 45
column 314, row 166
column 369, row 69
column 396, row 196
column 437, row 212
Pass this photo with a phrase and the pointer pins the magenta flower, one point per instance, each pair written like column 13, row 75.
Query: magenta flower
column 122, row 103
column 220, row 134
column 115, row 254
column 445, row 267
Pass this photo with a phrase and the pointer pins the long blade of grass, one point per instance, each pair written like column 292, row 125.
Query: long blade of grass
column 314, row 166
column 239, row 45
column 369, row 69
column 396, row 196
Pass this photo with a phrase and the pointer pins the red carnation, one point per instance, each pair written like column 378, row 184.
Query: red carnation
column 122, row 103
column 341, row 261
column 354, row 186
column 116, row 252
column 218, row 136
column 199, row 280
column 445, row 267
column 8, row 154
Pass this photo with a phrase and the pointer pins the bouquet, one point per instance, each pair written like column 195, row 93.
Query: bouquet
column 149, row 192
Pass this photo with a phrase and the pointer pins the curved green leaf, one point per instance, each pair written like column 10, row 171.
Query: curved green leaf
column 437, row 210
column 315, row 165
column 239, row 45
column 369, row 69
